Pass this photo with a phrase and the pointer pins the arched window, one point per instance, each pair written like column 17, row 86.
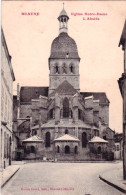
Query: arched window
column 32, row 149
column 99, row 150
column 67, row 55
column 84, row 140
column 66, row 131
column 58, row 149
column 56, row 69
column 10, row 140
column 64, row 68
column 71, row 113
column 34, row 132
column 104, row 137
column 65, row 108
column 67, row 150
column 75, row 150
column 79, row 114
column 5, row 145
column 71, row 68
column 51, row 113
column 47, row 139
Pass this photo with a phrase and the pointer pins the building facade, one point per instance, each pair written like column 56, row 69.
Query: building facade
column 7, row 78
column 118, row 154
column 122, row 86
column 60, row 122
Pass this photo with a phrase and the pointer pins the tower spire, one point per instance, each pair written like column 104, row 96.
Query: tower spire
column 63, row 19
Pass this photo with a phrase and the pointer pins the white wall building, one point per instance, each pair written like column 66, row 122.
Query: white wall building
column 7, row 78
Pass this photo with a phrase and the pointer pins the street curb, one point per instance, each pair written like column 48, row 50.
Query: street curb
column 113, row 185
column 9, row 178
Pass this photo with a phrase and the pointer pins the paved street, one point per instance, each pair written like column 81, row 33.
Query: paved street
column 60, row 179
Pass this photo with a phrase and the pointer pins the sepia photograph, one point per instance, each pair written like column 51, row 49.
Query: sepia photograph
column 63, row 98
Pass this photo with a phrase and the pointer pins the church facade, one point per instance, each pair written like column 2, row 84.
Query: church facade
column 59, row 122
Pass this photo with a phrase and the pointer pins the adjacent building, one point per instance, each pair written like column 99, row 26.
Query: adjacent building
column 118, row 154
column 59, row 122
column 7, row 78
column 122, row 86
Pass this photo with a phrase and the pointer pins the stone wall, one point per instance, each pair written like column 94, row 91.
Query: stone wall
column 55, row 79
column 104, row 114
column 30, row 154
column 25, row 110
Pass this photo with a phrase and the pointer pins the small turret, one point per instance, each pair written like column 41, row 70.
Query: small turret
column 63, row 19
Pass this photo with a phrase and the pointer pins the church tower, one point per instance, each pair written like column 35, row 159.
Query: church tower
column 64, row 59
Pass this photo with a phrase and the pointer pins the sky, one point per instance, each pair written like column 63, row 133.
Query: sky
column 29, row 39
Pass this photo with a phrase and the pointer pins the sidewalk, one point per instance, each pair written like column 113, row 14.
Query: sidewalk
column 115, row 178
column 9, row 172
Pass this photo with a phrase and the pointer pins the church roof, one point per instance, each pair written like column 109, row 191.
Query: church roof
column 65, row 88
column 35, row 127
column 101, row 96
column 67, row 123
column 28, row 92
column 97, row 139
column 34, row 138
column 63, row 45
column 67, row 137
column 63, row 13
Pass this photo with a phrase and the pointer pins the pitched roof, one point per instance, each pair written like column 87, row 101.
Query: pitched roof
column 34, row 138
column 68, row 124
column 97, row 139
column 101, row 96
column 109, row 129
column 65, row 88
column 67, row 137
column 28, row 92
column 63, row 13
column 35, row 127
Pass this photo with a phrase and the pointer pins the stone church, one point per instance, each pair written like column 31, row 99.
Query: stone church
column 59, row 122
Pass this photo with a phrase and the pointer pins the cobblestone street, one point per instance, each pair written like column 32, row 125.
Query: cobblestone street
column 60, row 178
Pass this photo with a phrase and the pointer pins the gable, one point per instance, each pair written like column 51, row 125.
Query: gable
column 65, row 88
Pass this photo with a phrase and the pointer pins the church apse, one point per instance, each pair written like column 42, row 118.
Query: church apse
column 65, row 119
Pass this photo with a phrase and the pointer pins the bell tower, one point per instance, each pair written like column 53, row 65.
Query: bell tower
column 64, row 59
column 63, row 21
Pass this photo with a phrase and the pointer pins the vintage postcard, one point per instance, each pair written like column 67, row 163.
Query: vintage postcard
column 61, row 106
